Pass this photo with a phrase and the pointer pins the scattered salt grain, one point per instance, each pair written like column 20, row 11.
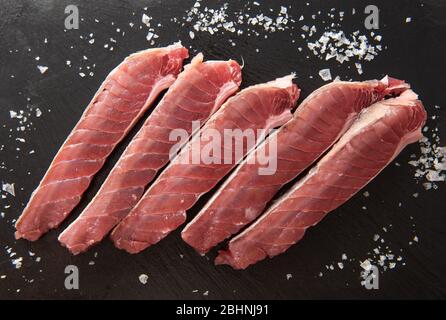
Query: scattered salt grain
column 427, row 185
column 435, row 176
column 358, row 67
column 42, row 69
column 12, row 114
column 17, row 262
column 342, row 47
column 146, row 19
column 325, row 74
column 220, row 19
column 432, row 161
column 149, row 36
column 9, row 188
column 143, row 278
column 366, row 265
column 289, row 276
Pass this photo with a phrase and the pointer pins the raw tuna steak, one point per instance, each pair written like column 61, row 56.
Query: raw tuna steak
column 371, row 143
column 198, row 92
column 317, row 123
column 163, row 207
column 127, row 92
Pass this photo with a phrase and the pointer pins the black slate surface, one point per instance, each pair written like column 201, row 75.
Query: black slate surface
column 415, row 52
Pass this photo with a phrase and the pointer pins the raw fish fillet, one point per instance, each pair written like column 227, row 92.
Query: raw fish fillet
column 370, row 144
column 316, row 124
column 127, row 92
column 198, row 92
column 163, row 207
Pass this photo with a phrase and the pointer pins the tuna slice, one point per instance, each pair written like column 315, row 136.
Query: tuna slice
column 163, row 207
column 370, row 144
column 198, row 92
column 127, row 92
column 317, row 123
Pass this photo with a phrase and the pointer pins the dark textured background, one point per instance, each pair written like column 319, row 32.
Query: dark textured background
column 415, row 52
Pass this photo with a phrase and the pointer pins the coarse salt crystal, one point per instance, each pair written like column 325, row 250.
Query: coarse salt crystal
column 143, row 278
column 435, row 176
column 17, row 262
column 366, row 265
column 358, row 67
column 325, row 74
column 149, row 36
column 146, row 19
column 9, row 188
column 42, row 69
